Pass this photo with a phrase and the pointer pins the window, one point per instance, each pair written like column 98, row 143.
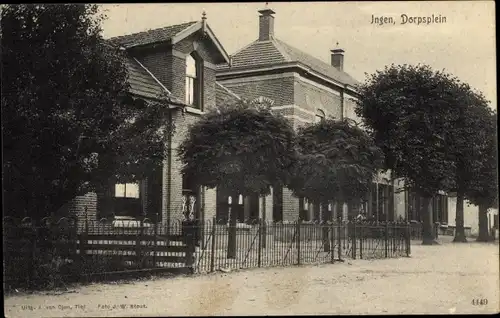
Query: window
column 304, row 209
column 193, row 81
column 128, row 200
column 320, row 116
column 127, row 190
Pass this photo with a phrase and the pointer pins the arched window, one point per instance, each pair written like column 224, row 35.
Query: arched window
column 320, row 116
column 193, row 81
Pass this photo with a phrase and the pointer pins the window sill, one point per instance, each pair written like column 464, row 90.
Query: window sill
column 194, row 110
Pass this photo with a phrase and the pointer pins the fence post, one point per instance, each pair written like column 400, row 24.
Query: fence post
column 339, row 238
column 386, row 239
column 354, row 240
column 361, row 241
column 138, row 245
column 259, row 260
column 212, row 249
column 191, row 246
column 394, row 239
column 408, row 239
column 324, row 233
column 83, row 241
column 332, row 243
column 264, row 234
column 231, row 241
column 298, row 241
column 155, row 242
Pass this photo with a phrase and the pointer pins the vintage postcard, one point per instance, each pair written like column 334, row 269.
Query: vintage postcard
column 250, row 158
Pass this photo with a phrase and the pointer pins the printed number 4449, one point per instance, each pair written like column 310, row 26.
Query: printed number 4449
column 480, row 302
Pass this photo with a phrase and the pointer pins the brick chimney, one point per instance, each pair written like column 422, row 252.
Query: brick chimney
column 266, row 24
column 338, row 59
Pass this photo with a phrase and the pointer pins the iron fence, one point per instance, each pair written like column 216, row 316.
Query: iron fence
column 50, row 252
column 263, row 244
column 416, row 230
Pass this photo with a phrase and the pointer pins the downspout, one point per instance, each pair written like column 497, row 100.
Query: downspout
column 342, row 102
column 169, row 177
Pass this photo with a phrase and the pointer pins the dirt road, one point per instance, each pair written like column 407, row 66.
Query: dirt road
column 449, row 278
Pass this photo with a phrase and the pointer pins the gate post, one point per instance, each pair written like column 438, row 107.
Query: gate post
column 361, row 241
column 190, row 245
column 231, row 243
column 298, row 241
column 354, row 240
column 259, row 260
column 339, row 239
column 326, row 242
column 408, row 239
column 332, row 243
column 212, row 249
column 386, row 239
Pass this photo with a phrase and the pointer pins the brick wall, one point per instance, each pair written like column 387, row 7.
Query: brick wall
column 76, row 207
column 280, row 90
column 349, row 106
column 174, row 206
column 168, row 65
column 210, row 205
column 311, row 97
column 290, row 206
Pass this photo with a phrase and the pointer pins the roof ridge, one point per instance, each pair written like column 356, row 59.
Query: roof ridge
column 315, row 58
column 228, row 90
column 278, row 46
column 243, row 48
column 152, row 30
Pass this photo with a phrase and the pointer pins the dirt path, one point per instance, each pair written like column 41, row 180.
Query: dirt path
column 436, row 279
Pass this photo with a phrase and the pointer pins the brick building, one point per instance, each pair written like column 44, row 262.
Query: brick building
column 179, row 61
column 304, row 89
column 188, row 63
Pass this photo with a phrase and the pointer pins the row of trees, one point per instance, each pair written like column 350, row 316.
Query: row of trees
column 438, row 134
column 425, row 126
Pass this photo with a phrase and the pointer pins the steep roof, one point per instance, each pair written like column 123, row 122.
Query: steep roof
column 150, row 36
column 275, row 52
column 141, row 82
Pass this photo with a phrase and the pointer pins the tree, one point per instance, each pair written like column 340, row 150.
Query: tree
column 337, row 161
column 243, row 148
column 68, row 123
column 406, row 110
column 483, row 188
column 469, row 135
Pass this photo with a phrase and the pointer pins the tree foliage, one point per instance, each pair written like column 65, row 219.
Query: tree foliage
column 411, row 111
column 482, row 189
column 68, row 124
column 337, row 160
column 407, row 110
column 469, row 133
column 242, row 147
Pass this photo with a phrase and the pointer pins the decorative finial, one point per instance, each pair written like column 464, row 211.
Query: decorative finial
column 337, row 44
column 267, row 5
column 204, row 15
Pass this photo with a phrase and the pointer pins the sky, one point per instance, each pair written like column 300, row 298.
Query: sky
column 464, row 45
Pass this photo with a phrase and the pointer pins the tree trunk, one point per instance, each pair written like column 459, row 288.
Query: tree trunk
column 426, row 213
column 459, row 220
column 484, row 235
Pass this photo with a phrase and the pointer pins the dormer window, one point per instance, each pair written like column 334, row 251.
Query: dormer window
column 193, row 81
